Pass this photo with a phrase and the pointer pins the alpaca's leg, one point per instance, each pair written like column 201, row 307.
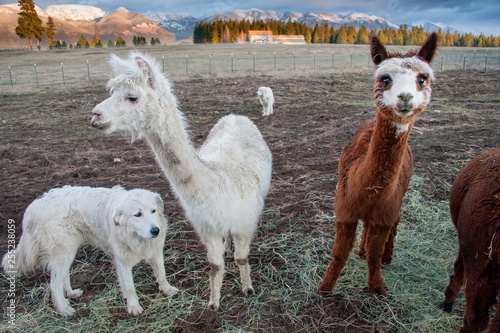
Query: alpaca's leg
column 215, row 254
column 126, row 281
column 478, row 292
column 345, row 233
column 376, row 238
column 389, row 245
column 158, row 266
column 227, row 243
column 362, row 244
column 241, row 250
column 456, row 283
column 495, row 324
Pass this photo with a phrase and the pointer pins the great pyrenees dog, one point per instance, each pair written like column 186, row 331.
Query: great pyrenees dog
column 266, row 98
column 128, row 226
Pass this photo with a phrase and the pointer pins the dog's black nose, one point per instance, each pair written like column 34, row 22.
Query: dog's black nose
column 155, row 231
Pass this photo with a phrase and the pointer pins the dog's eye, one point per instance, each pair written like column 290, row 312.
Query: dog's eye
column 153, row 211
column 139, row 214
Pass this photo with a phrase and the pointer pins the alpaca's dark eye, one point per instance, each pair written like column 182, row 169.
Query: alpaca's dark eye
column 132, row 99
column 153, row 211
column 386, row 79
column 422, row 79
column 139, row 214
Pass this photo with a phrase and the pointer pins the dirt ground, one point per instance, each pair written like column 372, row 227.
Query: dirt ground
column 46, row 141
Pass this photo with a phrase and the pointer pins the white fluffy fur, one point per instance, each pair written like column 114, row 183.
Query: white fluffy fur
column 266, row 98
column 221, row 186
column 56, row 224
column 404, row 72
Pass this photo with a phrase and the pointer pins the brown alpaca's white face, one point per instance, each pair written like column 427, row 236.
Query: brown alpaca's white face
column 403, row 87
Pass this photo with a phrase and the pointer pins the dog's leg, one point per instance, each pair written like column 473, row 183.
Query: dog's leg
column 215, row 254
column 241, row 250
column 159, row 272
column 126, row 281
column 59, row 271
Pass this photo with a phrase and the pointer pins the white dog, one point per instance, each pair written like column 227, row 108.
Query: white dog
column 129, row 226
column 266, row 98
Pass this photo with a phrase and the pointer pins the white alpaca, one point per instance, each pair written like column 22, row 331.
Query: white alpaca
column 221, row 186
column 266, row 98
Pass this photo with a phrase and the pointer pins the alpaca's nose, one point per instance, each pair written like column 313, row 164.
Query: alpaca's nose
column 405, row 96
column 155, row 231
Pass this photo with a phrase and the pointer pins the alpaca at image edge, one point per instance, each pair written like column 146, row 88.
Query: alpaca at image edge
column 221, row 186
column 475, row 212
column 376, row 165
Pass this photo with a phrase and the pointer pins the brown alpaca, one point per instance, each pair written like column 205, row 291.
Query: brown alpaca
column 376, row 165
column 475, row 212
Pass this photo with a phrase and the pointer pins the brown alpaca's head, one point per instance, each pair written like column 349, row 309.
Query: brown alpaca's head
column 403, row 82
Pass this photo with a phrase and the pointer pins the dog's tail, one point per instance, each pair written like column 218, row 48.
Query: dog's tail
column 26, row 257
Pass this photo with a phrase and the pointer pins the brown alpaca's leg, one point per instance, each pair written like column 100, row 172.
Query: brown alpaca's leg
column 362, row 245
column 376, row 238
column 389, row 245
column 345, row 233
column 456, row 283
column 495, row 324
column 478, row 292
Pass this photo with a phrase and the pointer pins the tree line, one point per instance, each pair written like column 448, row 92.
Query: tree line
column 220, row 31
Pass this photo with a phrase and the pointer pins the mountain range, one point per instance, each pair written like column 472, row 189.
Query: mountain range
column 72, row 21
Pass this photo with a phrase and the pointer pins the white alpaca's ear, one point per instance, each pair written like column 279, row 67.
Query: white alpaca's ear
column 146, row 69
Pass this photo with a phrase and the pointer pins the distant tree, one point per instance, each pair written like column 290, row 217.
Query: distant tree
column 342, row 36
column 70, row 46
column 120, row 42
column 111, row 43
column 64, row 45
column 157, row 41
column 29, row 25
column 362, row 37
column 87, row 45
column 95, row 39
column 226, row 38
column 351, row 35
column 153, row 41
column 82, row 41
column 50, row 35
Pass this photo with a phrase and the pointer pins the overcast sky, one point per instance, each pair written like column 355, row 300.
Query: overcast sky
column 465, row 15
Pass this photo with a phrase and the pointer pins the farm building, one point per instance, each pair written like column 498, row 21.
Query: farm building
column 267, row 37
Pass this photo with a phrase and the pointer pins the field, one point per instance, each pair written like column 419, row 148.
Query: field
column 46, row 141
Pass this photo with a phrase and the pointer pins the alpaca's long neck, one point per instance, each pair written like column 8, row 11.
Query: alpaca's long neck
column 386, row 152
column 176, row 155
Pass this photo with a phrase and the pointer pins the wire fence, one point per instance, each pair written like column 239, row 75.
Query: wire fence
column 49, row 71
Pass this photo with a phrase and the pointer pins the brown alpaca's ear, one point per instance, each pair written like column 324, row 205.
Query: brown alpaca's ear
column 146, row 69
column 429, row 48
column 377, row 51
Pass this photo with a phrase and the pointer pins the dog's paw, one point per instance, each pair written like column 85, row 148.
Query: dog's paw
column 169, row 291
column 67, row 311
column 75, row 293
column 134, row 310
column 213, row 305
column 248, row 291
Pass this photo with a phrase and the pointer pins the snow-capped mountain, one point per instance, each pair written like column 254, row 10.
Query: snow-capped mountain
column 72, row 12
column 431, row 26
column 182, row 25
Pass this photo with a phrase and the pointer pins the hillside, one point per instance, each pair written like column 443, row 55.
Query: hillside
column 72, row 21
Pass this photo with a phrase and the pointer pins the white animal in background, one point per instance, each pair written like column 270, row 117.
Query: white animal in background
column 129, row 226
column 266, row 98
column 221, row 186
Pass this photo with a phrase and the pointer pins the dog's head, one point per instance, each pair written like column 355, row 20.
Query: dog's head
column 141, row 213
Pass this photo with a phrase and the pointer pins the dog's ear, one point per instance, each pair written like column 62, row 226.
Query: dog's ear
column 118, row 216
column 159, row 203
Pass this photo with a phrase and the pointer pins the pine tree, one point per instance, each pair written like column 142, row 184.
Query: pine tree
column 362, row 37
column 95, row 38
column 29, row 24
column 342, row 36
column 50, row 36
column 82, row 41
column 227, row 35
column 120, row 42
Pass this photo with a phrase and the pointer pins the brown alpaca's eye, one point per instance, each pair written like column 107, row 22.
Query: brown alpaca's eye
column 386, row 79
column 132, row 99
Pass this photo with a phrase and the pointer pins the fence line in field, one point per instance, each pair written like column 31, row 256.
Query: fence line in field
column 71, row 71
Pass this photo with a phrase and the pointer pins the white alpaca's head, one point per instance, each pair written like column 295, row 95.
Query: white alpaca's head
column 403, row 82
column 139, row 92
